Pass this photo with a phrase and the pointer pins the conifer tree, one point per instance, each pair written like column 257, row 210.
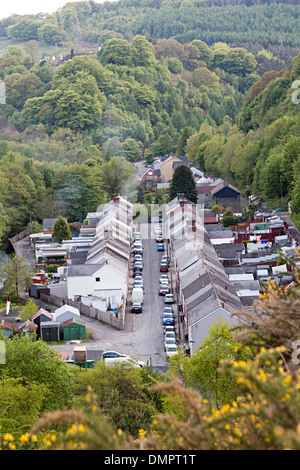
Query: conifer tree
column 61, row 230
column 183, row 183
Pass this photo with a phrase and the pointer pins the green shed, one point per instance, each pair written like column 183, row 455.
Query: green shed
column 73, row 329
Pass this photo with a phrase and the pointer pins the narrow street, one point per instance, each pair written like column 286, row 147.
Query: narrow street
column 148, row 326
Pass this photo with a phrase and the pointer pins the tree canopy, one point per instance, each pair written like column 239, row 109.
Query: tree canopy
column 183, row 183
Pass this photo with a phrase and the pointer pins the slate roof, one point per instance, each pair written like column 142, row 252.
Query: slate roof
column 40, row 312
column 85, row 269
column 221, row 186
column 203, row 281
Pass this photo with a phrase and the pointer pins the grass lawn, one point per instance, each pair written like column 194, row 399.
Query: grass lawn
column 44, row 49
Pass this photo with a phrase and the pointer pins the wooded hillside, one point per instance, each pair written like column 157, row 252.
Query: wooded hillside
column 70, row 129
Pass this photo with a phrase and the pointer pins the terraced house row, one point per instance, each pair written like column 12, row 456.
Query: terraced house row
column 96, row 276
column 205, row 293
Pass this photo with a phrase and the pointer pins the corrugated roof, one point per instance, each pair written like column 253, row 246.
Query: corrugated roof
column 7, row 325
column 41, row 311
column 78, row 321
column 27, row 324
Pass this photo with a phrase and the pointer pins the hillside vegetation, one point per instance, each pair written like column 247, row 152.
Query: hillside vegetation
column 70, row 129
column 254, row 24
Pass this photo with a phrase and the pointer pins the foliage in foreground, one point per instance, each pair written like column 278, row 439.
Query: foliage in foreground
column 265, row 417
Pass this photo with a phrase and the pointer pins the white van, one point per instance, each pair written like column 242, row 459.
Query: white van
column 137, row 295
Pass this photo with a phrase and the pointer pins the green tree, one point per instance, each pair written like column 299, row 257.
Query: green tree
column 121, row 394
column 15, row 274
column 4, row 223
column 183, row 182
column 16, row 417
column 61, row 230
column 115, row 174
column 28, row 310
column 116, row 51
column 142, row 52
column 229, row 218
column 26, row 29
column 132, row 150
column 34, row 361
column 201, row 371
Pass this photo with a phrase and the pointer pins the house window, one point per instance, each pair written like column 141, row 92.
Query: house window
column 97, row 279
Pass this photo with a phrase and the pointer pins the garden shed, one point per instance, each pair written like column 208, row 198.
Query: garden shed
column 40, row 316
column 27, row 327
column 74, row 329
column 49, row 331
column 6, row 329
column 64, row 313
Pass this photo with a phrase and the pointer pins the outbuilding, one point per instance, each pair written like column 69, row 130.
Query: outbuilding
column 6, row 329
column 49, row 331
column 27, row 327
column 73, row 329
column 63, row 313
column 40, row 316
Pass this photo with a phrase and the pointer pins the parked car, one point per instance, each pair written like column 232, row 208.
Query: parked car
column 138, row 265
column 169, row 342
column 138, row 244
column 171, row 350
column 126, row 361
column 164, row 267
column 170, row 334
column 112, row 354
column 136, row 307
column 165, row 259
column 168, row 310
column 159, row 238
column 169, row 298
column 138, row 257
column 168, row 319
column 160, row 247
column 136, row 272
column 138, row 283
column 164, row 283
column 138, row 248
column 169, row 329
column 164, row 290
column 163, row 277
